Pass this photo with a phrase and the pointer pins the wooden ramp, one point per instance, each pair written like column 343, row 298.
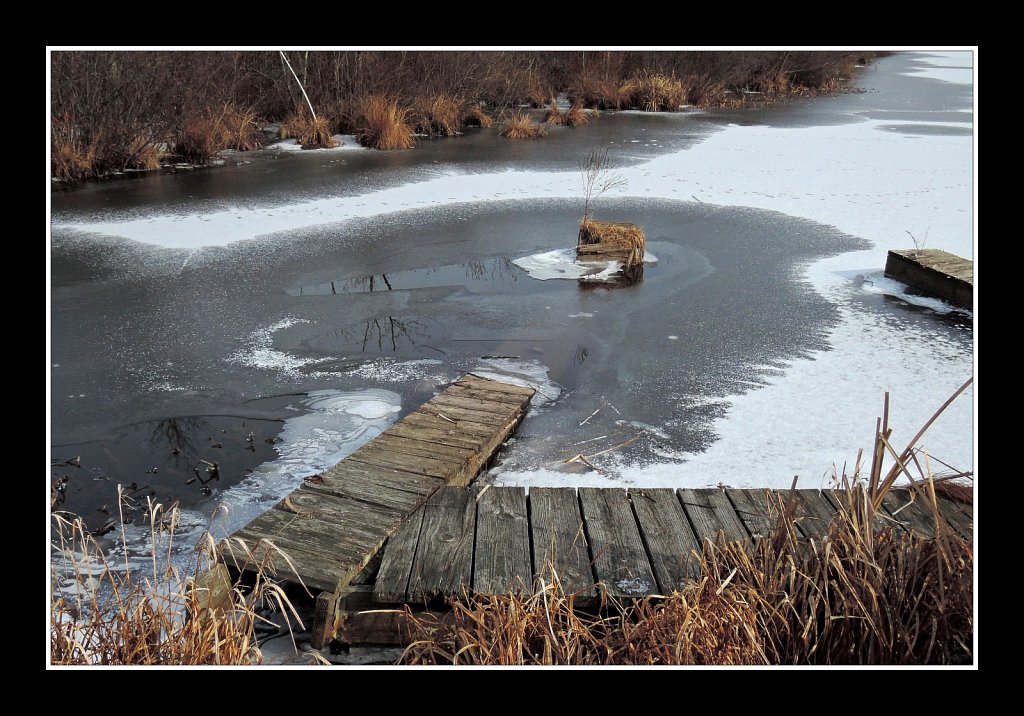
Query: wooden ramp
column 336, row 522
column 936, row 272
column 631, row 543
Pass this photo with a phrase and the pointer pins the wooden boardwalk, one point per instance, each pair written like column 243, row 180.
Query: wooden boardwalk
column 632, row 543
column 337, row 521
column 936, row 272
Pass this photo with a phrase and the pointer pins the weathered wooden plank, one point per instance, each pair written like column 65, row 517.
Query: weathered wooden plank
column 396, row 566
column 959, row 515
column 501, row 559
column 423, row 448
column 560, row 542
column 913, row 514
column 321, row 533
column 385, row 487
column 815, row 513
column 440, row 436
column 934, row 271
column 476, row 411
column 374, row 454
column 753, row 510
column 471, row 380
column 514, row 401
column 325, row 619
column 620, row 560
column 431, row 420
column 315, row 569
column 667, row 535
column 443, row 564
column 712, row 514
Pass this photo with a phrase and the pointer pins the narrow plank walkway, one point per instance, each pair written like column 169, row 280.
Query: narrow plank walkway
column 629, row 543
column 934, row 271
column 335, row 523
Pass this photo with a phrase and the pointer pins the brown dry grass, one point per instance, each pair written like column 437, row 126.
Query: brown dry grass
column 521, row 126
column 629, row 237
column 474, row 116
column 103, row 613
column 554, row 115
column 310, row 133
column 655, row 93
column 576, row 116
column 440, row 116
column 240, row 128
column 380, row 123
column 866, row 592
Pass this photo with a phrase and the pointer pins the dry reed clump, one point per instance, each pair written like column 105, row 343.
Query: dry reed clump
column 475, row 116
column 199, row 139
column 239, row 128
column 655, row 93
column 554, row 115
column 868, row 591
column 103, row 613
column 521, row 126
column 600, row 92
column 310, row 133
column 576, row 115
column 627, row 237
column 379, row 123
column 440, row 116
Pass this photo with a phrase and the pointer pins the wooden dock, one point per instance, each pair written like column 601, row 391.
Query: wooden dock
column 935, row 272
column 629, row 544
column 407, row 492
column 337, row 521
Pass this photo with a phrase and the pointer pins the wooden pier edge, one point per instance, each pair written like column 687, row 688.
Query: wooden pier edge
column 935, row 272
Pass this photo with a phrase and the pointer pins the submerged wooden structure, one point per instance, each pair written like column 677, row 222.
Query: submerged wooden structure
column 607, row 241
column 936, row 272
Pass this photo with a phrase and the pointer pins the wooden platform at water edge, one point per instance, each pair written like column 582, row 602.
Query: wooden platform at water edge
column 935, row 272
column 627, row 543
column 338, row 520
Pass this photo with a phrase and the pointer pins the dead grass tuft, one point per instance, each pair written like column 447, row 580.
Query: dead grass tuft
column 629, row 238
column 576, row 116
column 521, row 126
column 476, row 117
column 102, row 613
column 440, row 116
column 379, row 122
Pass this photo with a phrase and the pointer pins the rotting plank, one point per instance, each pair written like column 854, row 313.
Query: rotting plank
column 374, row 454
column 513, row 401
column 559, row 541
column 620, row 561
column 471, row 380
column 396, row 566
column 423, row 448
column 457, row 410
column 814, row 513
column 443, row 564
column 913, row 514
column 437, row 435
column 501, row 559
column 711, row 515
column 392, row 489
column 667, row 536
column 959, row 515
column 753, row 510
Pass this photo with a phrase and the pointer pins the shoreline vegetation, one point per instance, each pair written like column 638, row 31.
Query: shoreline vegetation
column 118, row 111
column 868, row 591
